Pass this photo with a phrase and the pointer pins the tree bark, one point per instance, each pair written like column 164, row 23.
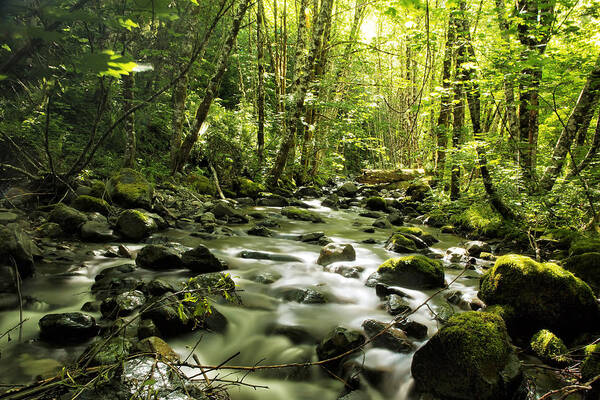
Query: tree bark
column 178, row 98
column 260, row 101
column 212, row 88
column 458, row 109
column 129, row 123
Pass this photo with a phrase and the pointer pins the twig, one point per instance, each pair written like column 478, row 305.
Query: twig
column 20, row 296
column 570, row 389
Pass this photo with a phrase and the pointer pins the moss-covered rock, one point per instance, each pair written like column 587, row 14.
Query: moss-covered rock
column 97, row 189
column 91, row 204
column 201, row 184
column 543, row 295
column 69, row 219
column 111, row 351
column 301, row 214
column 418, row 232
column 50, row 230
column 376, row 203
column 549, row 348
column 418, row 190
column 481, row 220
column 156, row 345
column 414, row 272
column 587, row 267
column 136, row 225
column 130, row 189
column 244, row 187
column 16, row 244
column 400, row 243
column 468, row 358
column 590, row 367
column 584, row 245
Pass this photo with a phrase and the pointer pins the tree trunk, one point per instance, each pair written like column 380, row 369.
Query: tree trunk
column 458, row 110
column 260, row 102
column 212, row 88
column 592, row 152
column 585, row 105
column 178, row 98
column 129, row 123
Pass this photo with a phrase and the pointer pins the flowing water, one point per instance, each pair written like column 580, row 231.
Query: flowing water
column 65, row 286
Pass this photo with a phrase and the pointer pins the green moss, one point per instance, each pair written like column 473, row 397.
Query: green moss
column 584, row 245
column 68, row 218
column 549, row 348
column 201, row 184
column 400, row 244
column 413, row 230
column 301, row 214
column 130, row 189
column 91, row 204
column 480, row 220
column 98, row 188
column 590, row 367
column 376, row 203
column 416, row 271
column 543, row 295
column 587, row 267
column 136, row 225
column 563, row 237
column 247, row 188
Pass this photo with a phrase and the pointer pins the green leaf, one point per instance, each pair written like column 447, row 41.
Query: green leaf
column 3, row 77
column 6, row 47
column 195, row 2
column 107, row 63
column 128, row 24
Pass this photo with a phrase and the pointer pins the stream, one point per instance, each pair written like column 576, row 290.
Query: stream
column 64, row 285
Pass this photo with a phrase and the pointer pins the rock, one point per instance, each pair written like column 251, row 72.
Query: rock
column 413, row 329
column 414, row 272
column 331, row 201
column 157, row 346
column 383, row 291
column 97, row 232
column 222, row 210
column 584, row 245
column 311, row 237
column 212, row 282
column 305, row 296
column 590, row 368
column 260, row 231
column 345, row 270
column 119, row 270
column 172, row 317
column 147, row 329
column 244, row 187
column 50, row 230
column 585, row 266
column 67, row 327
column 475, row 248
column 113, row 286
column 395, row 305
column 8, row 218
column 455, row 255
column 348, row 189
column 541, row 296
column 376, row 203
column 15, row 243
column 296, row 334
column 130, row 189
column 158, row 287
column 259, row 255
column 382, row 223
column 123, row 304
column 136, row 225
column 301, row 214
column 266, row 278
column 337, row 342
column 419, row 233
column 91, row 204
column 201, row 260
column 392, row 339
column 308, row 192
column 69, row 219
column 396, row 219
column 335, row 252
column 158, row 257
column 400, row 243
column 91, row 306
column 111, row 351
column 418, row 190
column 273, row 200
column 447, row 229
column 468, row 358
column 549, row 348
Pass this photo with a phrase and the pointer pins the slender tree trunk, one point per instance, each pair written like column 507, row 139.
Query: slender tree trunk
column 592, row 152
column 178, row 98
column 260, row 135
column 212, row 88
column 585, row 105
column 129, row 123
column 458, row 110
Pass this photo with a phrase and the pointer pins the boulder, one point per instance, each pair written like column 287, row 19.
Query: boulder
column 337, row 342
column 50, row 230
column 590, row 368
column 335, row 252
column 418, row 190
column 541, row 296
column 376, row 203
column 308, row 192
column 123, row 304
column 67, row 327
column 392, row 338
column 111, row 351
column 273, row 200
column 347, row 189
column 585, row 266
column 200, row 260
column 244, row 187
column 130, row 189
column 97, row 232
column 468, row 358
column 584, row 245
column 331, row 201
column 158, row 257
column 157, row 346
column 136, row 225
column 413, row 328
column 91, row 204
column 201, row 184
column 476, row 247
column 15, row 243
column 428, row 238
column 413, row 272
column 69, row 219
column 7, row 217
column 345, row 270
column 259, row 230
column 305, row 296
column 260, row 255
column 396, row 304
column 224, row 211
column 382, row 223
column 549, row 348
column 301, row 214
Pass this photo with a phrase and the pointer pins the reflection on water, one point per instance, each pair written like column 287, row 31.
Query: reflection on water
column 251, row 328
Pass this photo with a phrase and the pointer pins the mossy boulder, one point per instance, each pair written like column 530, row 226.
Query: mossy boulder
column 136, row 225
column 414, row 272
column 587, row 267
column 480, row 220
column 301, row 214
column 97, row 189
column 418, row 190
column 69, row 219
column 542, row 295
column 401, row 243
column 17, row 244
column 111, row 351
column 590, row 368
column 549, row 348
column 156, row 345
column 376, row 203
column 201, row 184
column 50, row 230
column 468, row 358
column 130, row 189
column 337, row 342
column 418, row 232
column 584, row 245
column 245, row 187
column 91, row 204
column 335, row 252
